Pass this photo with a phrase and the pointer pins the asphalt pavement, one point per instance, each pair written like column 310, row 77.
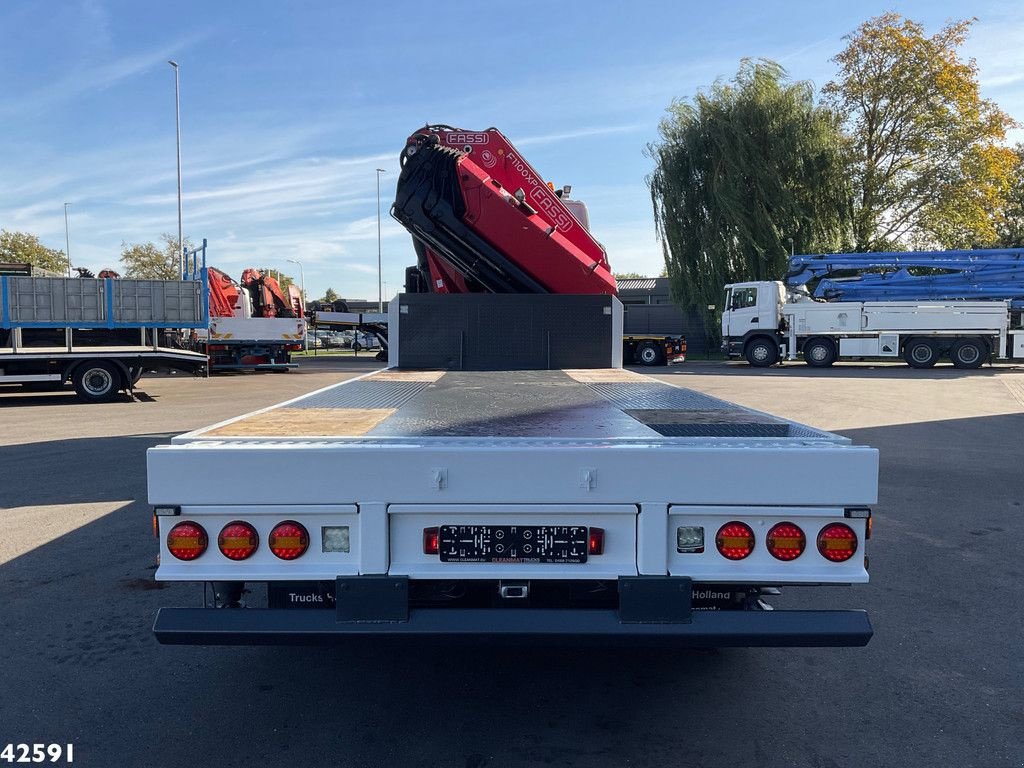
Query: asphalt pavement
column 941, row 683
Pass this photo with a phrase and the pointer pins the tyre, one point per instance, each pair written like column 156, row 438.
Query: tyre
column 969, row 353
column 920, row 353
column 649, row 354
column 762, row 352
column 96, row 381
column 819, row 353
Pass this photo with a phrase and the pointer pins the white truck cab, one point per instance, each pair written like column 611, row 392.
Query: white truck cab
column 751, row 320
column 764, row 323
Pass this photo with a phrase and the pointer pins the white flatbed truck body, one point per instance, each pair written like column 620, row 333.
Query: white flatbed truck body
column 412, row 480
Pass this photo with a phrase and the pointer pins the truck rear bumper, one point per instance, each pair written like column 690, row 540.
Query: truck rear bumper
column 243, row 626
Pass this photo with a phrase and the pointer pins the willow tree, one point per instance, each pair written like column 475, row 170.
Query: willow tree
column 744, row 173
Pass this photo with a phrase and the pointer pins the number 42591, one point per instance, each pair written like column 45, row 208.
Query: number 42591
column 37, row 753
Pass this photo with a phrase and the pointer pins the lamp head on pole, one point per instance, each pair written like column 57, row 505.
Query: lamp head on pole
column 173, row 63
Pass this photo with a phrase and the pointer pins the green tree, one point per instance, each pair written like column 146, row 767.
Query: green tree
column 928, row 167
column 628, row 276
column 1011, row 222
column 149, row 261
column 24, row 248
column 330, row 296
column 743, row 173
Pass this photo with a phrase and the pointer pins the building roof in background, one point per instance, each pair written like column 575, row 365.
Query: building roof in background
column 638, row 284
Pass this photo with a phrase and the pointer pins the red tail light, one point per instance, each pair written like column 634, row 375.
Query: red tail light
column 238, row 540
column 595, row 541
column 837, row 542
column 786, row 541
column 735, row 540
column 288, row 540
column 187, row 541
column 431, row 541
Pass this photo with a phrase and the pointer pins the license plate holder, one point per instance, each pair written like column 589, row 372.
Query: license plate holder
column 512, row 544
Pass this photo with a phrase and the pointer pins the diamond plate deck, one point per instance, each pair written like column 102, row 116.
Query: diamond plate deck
column 363, row 394
column 657, row 395
column 512, row 405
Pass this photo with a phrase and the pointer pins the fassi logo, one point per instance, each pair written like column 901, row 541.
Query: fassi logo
column 466, row 138
column 488, row 159
column 550, row 206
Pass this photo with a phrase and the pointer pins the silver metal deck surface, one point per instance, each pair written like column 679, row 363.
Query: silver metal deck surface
column 579, row 405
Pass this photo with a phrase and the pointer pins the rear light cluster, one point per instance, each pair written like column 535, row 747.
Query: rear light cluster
column 238, row 540
column 837, row 542
column 735, row 540
column 785, row 541
column 288, row 540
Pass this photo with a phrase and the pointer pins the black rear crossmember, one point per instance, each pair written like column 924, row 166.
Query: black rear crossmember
column 650, row 611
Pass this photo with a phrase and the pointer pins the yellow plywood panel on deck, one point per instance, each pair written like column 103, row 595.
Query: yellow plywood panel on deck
column 604, row 375
column 393, row 374
column 305, row 422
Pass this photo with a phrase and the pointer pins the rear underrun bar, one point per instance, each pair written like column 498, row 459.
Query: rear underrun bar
column 243, row 626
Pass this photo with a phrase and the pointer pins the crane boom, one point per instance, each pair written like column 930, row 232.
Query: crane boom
column 992, row 274
column 483, row 220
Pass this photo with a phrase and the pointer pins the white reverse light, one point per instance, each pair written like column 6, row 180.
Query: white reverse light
column 334, row 538
column 690, row 538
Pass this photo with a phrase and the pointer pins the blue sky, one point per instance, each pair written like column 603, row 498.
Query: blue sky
column 287, row 109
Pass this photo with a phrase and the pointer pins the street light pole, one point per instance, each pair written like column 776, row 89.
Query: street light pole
column 302, row 287
column 177, row 134
column 67, row 237
column 380, row 286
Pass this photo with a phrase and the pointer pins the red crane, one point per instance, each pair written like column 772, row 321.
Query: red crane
column 482, row 219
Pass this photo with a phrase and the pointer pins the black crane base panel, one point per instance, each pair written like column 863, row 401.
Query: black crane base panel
column 494, row 332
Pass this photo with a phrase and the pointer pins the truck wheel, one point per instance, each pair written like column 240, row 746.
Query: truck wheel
column 920, row 353
column 648, row 354
column 96, row 381
column 762, row 352
column 969, row 353
column 819, row 353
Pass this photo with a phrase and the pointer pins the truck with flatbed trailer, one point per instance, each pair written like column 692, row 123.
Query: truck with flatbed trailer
column 965, row 306
column 544, row 494
column 101, row 335
column 504, row 476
